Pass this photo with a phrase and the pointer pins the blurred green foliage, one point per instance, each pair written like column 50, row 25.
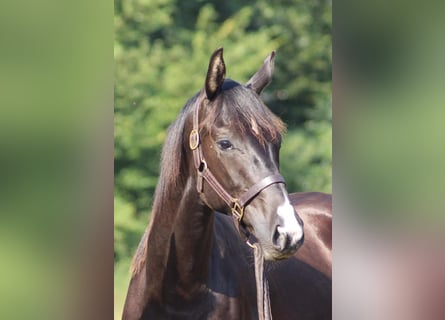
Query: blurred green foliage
column 56, row 146
column 391, row 116
column 161, row 52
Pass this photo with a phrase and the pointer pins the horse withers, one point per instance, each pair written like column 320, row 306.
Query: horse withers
column 220, row 184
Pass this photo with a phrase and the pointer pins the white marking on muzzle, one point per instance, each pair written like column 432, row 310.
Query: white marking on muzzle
column 290, row 223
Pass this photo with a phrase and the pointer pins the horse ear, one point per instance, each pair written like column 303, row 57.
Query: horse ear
column 215, row 74
column 263, row 76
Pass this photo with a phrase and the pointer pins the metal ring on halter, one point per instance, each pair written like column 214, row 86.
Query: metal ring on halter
column 194, row 139
column 202, row 166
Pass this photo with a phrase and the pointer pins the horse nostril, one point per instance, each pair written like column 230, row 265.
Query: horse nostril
column 286, row 242
column 281, row 240
column 276, row 237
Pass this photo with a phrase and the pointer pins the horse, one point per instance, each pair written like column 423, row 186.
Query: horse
column 220, row 186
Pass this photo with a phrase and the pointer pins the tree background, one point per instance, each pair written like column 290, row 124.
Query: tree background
column 161, row 53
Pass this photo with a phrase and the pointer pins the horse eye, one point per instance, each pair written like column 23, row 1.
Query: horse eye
column 224, row 144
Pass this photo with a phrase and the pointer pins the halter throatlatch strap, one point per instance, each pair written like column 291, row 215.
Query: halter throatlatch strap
column 236, row 205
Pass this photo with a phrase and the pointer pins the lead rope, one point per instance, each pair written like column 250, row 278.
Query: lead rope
column 262, row 287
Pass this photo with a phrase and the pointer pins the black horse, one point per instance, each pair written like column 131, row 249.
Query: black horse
column 220, row 181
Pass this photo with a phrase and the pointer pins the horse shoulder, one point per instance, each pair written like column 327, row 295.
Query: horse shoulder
column 314, row 203
column 315, row 209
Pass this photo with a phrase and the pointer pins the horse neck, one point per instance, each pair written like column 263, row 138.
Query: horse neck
column 179, row 245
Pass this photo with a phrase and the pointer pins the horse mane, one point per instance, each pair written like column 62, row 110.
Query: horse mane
column 247, row 113
column 170, row 178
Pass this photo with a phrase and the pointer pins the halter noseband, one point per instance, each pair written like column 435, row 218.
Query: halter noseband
column 236, row 205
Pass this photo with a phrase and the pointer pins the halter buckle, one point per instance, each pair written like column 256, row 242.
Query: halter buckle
column 194, row 139
column 237, row 210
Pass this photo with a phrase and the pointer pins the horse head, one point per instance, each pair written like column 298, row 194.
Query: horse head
column 233, row 141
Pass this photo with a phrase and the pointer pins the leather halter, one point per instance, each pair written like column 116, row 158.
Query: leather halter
column 236, row 205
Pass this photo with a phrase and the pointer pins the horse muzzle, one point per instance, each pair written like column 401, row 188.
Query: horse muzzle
column 287, row 242
column 289, row 232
